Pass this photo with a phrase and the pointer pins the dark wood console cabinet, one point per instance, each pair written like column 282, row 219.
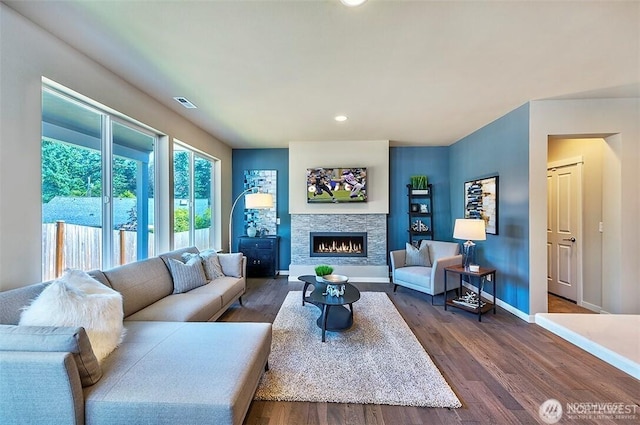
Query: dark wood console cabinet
column 262, row 255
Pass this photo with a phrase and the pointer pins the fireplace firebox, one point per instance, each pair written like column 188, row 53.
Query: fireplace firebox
column 338, row 244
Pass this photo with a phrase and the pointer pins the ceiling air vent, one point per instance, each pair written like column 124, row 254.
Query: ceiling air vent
column 185, row 102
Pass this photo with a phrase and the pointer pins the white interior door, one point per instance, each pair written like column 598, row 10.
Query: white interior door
column 564, row 215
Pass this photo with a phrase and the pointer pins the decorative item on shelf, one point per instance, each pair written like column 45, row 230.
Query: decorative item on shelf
column 419, row 226
column 424, row 208
column 419, row 185
column 335, row 284
column 252, row 231
column 470, row 299
column 471, row 230
column 415, row 208
column 321, row 271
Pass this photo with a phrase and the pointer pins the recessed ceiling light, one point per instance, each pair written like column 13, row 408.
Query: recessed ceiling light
column 340, row 118
column 352, row 3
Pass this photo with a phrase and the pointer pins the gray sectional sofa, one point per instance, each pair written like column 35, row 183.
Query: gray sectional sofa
column 171, row 368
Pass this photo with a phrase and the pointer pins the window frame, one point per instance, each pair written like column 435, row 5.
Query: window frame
column 213, row 239
column 106, row 148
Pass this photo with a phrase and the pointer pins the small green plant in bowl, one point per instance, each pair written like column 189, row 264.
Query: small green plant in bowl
column 322, row 270
column 418, row 182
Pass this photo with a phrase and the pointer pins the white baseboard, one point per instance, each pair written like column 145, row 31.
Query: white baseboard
column 508, row 307
column 591, row 307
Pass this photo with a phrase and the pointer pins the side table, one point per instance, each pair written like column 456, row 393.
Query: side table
column 483, row 274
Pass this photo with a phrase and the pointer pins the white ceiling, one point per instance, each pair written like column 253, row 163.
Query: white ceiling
column 264, row 73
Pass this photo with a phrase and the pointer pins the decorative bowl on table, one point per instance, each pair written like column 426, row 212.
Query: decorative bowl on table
column 335, row 278
column 335, row 284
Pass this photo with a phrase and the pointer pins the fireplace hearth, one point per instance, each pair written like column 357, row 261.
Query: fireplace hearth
column 338, row 244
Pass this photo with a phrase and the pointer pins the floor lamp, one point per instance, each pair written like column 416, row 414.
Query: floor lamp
column 260, row 201
column 470, row 229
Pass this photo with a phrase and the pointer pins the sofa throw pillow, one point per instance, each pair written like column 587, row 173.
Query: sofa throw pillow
column 73, row 340
column 210, row 263
column 417, row 256
column 78, row 300
column 231, row 264
column 186, row 257
column 187, row 276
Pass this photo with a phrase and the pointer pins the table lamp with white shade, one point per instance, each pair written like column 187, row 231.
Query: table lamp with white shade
column 257, row 200
column 470, row 229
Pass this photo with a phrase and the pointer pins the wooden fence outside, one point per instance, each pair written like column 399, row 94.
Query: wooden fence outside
column 81, row 247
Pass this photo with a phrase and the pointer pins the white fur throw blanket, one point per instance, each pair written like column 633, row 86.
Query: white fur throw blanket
column 76, row 299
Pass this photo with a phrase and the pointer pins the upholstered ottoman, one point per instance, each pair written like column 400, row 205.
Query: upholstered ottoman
column 187, row 373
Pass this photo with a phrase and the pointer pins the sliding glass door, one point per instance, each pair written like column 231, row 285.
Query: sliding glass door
column 97, row 187
column 132, row 192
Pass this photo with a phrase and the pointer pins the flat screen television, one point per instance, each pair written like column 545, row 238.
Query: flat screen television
column 336, row 185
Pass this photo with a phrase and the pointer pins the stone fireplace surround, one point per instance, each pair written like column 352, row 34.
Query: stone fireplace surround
column 372, row 268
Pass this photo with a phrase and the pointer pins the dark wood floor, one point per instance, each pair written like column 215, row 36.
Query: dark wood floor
column 556, row 304
column 502, row 369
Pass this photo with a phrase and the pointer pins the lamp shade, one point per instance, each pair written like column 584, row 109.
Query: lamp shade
column 469, row 229
column 259, row 201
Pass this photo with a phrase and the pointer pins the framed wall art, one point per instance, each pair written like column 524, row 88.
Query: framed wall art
column 263, row 220
column 481, row 201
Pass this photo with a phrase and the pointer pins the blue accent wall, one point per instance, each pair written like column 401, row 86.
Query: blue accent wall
column 264, row 159
column 500, row 148
column 404, row 163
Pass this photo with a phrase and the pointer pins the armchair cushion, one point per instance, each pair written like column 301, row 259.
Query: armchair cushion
column 415, row 275
column 418, row 256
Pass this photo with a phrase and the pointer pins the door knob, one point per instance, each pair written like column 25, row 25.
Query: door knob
column 572, row 239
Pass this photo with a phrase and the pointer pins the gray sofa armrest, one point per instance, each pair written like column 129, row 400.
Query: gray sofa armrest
column 244, row 266
column 36, row 387
column 437, row 271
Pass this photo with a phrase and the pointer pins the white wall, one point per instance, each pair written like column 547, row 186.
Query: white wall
column 371, row 154
column 616, row 120
column 28, row 54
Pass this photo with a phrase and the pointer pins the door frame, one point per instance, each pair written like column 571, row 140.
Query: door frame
column 566, row 162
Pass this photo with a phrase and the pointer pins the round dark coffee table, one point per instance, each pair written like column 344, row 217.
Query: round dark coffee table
column 335, row 315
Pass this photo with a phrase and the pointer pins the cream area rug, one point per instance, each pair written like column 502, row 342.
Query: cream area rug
column 377, row 361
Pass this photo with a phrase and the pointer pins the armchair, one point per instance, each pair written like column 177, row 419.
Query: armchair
column 429, row 280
